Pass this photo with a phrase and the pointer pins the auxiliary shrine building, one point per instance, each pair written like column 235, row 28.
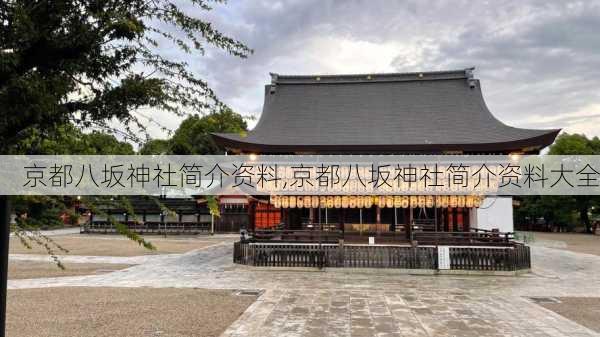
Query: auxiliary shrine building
column 439, row 112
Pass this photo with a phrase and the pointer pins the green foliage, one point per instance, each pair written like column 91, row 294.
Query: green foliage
column 102, row 143
column 567, row 144
column 565, row 211
column 155, row 146
column 213, row 205
column 93, row 202
column 194, row 134
column 68, row 139
column 90, row 62
column 44, row 212
column 72, row 64
column 555, row 210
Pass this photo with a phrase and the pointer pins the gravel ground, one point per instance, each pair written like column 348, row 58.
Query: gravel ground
column 116, row 312
column 583, row 310
column 35, row 269
column 97, row 245
column 576, row 242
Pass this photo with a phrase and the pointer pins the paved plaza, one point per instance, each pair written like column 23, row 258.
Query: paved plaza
column 368, row 302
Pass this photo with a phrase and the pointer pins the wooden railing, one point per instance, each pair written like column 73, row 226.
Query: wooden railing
column 148, row 227
column 300, row 236
column 472, row 238
column 475, row 237
column 516, row 257
column 490, row 258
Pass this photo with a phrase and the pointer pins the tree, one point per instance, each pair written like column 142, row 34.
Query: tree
column 92, row 62
column 71, row 64
column 573, row 144
column 194, row 134
column 560, row 208
column 155, row 146
column 68, row 139
column 557, row 211
column 102, row 143
column 45, row 212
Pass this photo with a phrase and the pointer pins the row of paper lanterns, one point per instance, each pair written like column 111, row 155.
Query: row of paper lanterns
column 367, row 201
column 355, row 186
column 354, row 171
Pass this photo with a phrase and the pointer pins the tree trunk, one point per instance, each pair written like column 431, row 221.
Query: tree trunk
column 585, row 219
column 4, row 239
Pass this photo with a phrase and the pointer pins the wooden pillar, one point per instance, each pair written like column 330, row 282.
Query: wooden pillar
column 450, row 219
column 395, row 218
column 286, row 218
column 460, row 225
column 442, row 220
column 377, row 214
column 319, row 215
column 251, row 215
column 409, row 216
column 342, row 220
column 360, row 213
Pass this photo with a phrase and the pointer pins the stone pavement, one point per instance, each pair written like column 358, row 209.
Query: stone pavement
column 371, row 302
column 141, row 259
column 55, row 232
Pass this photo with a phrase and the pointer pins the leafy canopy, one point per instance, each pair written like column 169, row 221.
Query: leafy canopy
column 67, row 64
column 90, row 62
column 194, row 134
column 68, row 139
column 564, row 211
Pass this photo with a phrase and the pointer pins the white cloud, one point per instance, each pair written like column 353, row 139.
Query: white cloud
column 538, row 60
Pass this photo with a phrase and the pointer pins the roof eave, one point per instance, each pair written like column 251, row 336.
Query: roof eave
column 527, row 145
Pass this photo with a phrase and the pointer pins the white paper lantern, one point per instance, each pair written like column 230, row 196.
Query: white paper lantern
column 453, row 202
column 429, row 201
column 337, row 201
column 352, row 201
column 389, row 201
column 414, row 201
column 285, row 201
column 345, row 201
column 315, row 201
column 460, row 201
column 330, row 202
column 405, row 201
column 368, row 201
column 360, row 201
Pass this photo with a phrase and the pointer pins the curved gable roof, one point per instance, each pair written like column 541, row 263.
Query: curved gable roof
column 409, row 112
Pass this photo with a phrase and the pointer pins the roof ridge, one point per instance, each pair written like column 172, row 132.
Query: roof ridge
column 372, row 77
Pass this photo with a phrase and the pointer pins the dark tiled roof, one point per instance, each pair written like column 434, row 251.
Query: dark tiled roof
column 432, row 111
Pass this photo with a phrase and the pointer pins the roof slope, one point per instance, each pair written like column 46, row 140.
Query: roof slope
column 422, row 112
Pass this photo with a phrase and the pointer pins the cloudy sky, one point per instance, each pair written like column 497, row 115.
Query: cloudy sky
column 538, row 61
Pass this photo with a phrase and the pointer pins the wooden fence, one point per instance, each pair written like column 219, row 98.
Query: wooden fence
column 106, row 227
column 512, row 258
column 490, row 258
